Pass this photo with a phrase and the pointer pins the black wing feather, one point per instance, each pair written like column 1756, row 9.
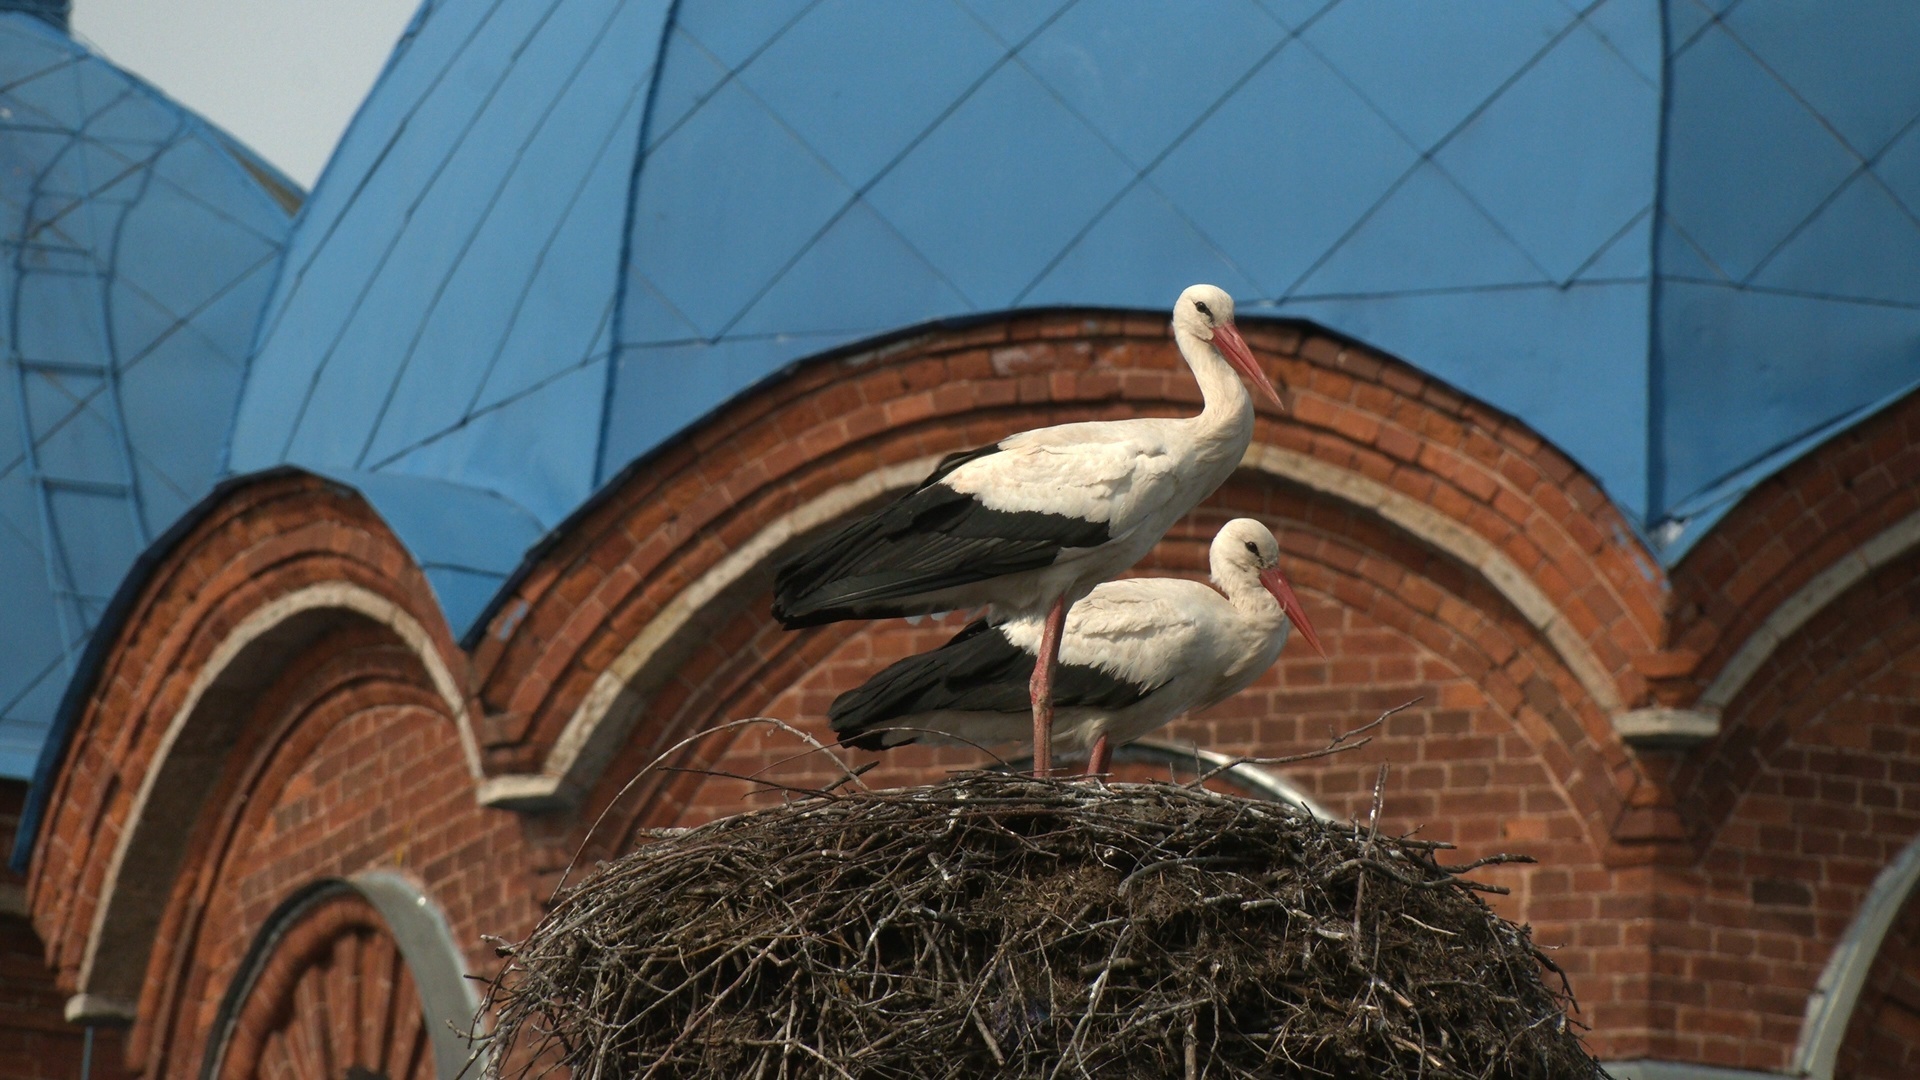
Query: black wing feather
column 929, row 539
column 979, row 670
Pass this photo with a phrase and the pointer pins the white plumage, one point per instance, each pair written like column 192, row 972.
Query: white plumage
column 1135, row 655
column 1030, row 525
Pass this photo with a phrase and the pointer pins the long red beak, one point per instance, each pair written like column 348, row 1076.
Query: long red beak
column 1276, row 583
column 1234, row 348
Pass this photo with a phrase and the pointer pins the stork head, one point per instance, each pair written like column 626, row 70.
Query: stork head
column 1205, row 312
column 1245, row 551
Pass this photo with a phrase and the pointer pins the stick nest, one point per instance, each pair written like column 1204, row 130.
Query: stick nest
column 998, row 925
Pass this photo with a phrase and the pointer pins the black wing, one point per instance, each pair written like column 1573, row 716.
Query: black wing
column 978, row 671
column 929, row 539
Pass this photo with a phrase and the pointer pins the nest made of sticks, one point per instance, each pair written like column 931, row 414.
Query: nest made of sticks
column 993, row 925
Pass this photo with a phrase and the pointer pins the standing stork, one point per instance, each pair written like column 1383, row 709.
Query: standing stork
column 1028, row 526
column 1135, row 655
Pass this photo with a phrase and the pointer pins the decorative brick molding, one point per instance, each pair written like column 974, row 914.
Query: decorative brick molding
column 1789, row 547
column 1881, row 1035
column 1878, row 960
column 327, row 993
column 287, row 657
column 1810, row 793
column 271, row 572
column 638, row 581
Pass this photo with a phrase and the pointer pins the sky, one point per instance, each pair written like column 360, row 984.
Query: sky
column 283, row 76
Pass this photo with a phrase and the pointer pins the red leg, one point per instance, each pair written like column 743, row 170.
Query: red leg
column 1101, row 758
column 1041, row 687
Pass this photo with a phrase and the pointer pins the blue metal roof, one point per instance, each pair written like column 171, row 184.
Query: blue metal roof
column 1674, row 238
column 136, row 250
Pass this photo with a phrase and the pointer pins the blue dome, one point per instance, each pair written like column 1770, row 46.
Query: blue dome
column 137, row 247
column 1679, row 246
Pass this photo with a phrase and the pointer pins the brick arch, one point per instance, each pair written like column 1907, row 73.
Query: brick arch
column 307, row 795
column 267, row 568
column 373, row 952
column 606, row 614
column 1797, row 812
column 1870, row 630
column 1339, row 559
column 1793, row 545
column 1481, row 762
column 215, row 903
column 1879, row 1036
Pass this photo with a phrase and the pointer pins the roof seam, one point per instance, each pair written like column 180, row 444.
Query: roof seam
column 485, row 216
column 424, row 191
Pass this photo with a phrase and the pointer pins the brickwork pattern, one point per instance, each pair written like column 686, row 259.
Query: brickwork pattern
column 333, row 998
column 1473, row 763
column 1782, row 534
column 679, row 513
column 1813, row 789
column 36, row 1042
column 352, row 765
column 1883, row 1038
column 1694, row 900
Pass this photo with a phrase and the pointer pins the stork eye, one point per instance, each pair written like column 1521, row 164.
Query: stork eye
column 1202, row 308
column 1253, row 547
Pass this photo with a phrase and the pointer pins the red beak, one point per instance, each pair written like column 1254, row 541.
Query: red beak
column 1234, row 348
column 1276, row 583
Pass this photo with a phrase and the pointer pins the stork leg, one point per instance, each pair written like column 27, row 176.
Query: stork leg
column 1041, row 687
column 1102, row 756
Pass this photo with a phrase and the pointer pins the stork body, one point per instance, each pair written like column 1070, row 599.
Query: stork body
column 1135, row 655
column 1028, row 526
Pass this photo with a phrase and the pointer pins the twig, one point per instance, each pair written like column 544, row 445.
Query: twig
column 1337, row 744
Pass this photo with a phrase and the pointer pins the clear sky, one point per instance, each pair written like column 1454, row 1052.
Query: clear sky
column 284, row 76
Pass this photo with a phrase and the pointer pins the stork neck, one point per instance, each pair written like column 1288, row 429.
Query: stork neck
column 1227, row 412
column 1254, row 603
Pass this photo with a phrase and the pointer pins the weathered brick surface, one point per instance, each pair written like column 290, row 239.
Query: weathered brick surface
column 1811, row 791
column 1883, row 1039
column 332, row 997
column 1466, row 762
column 1694, row 898
column 350, row 764
column 1788, row 530
column 36, row 1042
column 678, row 513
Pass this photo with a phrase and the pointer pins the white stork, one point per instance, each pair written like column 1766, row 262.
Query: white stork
column 1029, row 525
column 1135, row 655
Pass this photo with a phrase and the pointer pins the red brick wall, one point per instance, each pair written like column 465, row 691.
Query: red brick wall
column 1785, row 532
column 1670, row 885
column 1883, row 1039
column 351, row 763
column 36, row 1042
column 683, row 510
column 1813, row 789
column 1470, row 764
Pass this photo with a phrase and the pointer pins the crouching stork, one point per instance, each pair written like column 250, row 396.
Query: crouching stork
column 1135, row 655
column 1028, row 526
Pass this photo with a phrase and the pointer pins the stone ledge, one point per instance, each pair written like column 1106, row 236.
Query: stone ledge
column 1665, row 729
column 98, row 1009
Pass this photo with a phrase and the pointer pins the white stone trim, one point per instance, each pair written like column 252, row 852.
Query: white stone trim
column 1438, row 530
column 1896, row 540
column 585, row 744
column 419, row 928
column 96, row 1009
column 331, row 595
column 1248, row 773
column 582, row 748
column 1660, row 728
column 1830, row 1006
column 1650, row 1069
